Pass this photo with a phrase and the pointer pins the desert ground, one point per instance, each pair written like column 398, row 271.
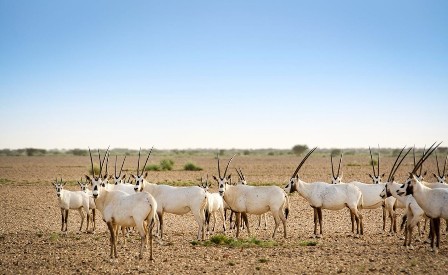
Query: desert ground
column 31, row 242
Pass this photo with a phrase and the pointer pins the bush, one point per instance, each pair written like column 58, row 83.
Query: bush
column 96, row 168
column 166, row 164
column 152, row 167
column 35, row 152
column 299, row 149
column 78, row 152
column 192, row 167
column 336, row 152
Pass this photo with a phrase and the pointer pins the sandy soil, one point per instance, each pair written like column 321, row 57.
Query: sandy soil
column 30, row 241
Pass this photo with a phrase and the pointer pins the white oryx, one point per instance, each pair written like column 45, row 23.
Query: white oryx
column 433, row 201
column 76, row 200
column 92, row 206
column 121, row 209
column 253, row 200
column 174, row 200
column 413, row 213
column 321, row 195
column 371, row 193
column 215, row 204
column 243, row 181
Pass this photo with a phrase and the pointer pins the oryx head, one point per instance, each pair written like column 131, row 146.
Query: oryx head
column 58, row 186
column 376, row 178
column 440, row 177
column 141, row 175
column 205, row 184
column 222, row 180
column 409, row 186
column 335, row 179
column 241, row 176
column 83, row 185
column 292, row 184
column 118, row 179
column 97, row 181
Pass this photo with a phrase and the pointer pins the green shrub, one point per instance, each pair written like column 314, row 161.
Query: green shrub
column 96, row 168
column 299, row 149
column 192, row 167
column 308, row 243
column 152, row 167
column 166, row 164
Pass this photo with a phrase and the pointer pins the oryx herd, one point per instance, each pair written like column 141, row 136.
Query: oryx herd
column 141, row 204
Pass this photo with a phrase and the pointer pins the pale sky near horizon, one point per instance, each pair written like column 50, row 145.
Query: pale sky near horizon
column 223, row 74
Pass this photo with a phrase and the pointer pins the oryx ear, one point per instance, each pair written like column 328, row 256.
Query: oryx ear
column 297, row 177
column 110, row 177
column 229, row 177
column 145, row 174
column 104, row 177
column 383, row 175
column 424, row 174
column 215, row 178
column 371, row 176
column 79, row 183
column 88, row 178
column 123, row 177
column 134, row 177
column 64, row 183
column 54, row 184
column 435, row 176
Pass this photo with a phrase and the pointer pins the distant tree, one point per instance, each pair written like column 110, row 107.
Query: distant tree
column 299, row 149
column 222, row 152
column 336, row 152
column 35, row 151
column 78, row 152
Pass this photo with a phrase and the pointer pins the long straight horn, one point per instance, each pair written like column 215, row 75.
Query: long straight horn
column 378, row 161
column 99, row 160
column 339, row 167
column 144, row 166
column 225, row 172
column 437, row 162
column 413, row 153
column 219, row 170
column 121, row 169
column 91, row 162
column 371, row 162
column 104, row 158
column 115, row 166
column 425, row 156
column 302, row 162
column 107, row 164
column 138, row 163
column 399, row 163
column 242, row 175
column 332, row 169
column 444, row 166
column 393, row 166
column 239, row 175
column 421, row 166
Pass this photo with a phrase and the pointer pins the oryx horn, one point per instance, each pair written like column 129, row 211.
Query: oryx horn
column 302, row 162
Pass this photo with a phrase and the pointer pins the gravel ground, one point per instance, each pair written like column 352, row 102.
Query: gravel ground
column 31, row 241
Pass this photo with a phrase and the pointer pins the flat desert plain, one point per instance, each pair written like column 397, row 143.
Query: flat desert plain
column 30, row 239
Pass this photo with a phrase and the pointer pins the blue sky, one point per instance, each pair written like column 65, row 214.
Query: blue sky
column 223, row 74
